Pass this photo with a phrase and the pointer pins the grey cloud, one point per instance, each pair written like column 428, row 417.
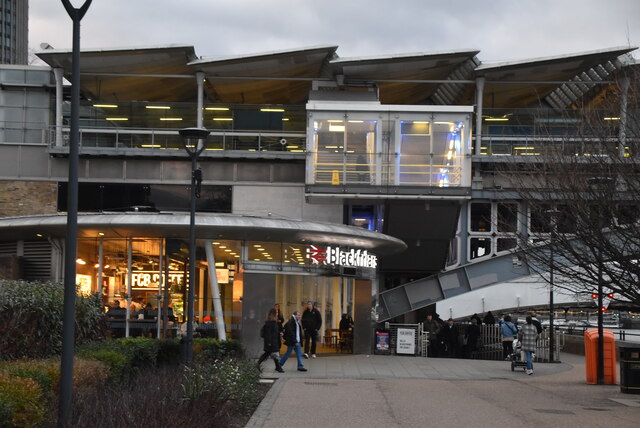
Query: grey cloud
column 501, row 29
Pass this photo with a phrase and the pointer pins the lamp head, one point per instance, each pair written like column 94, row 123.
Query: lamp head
column 193, row 133
column 191, row 138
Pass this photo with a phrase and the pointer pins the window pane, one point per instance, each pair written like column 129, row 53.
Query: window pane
column 480, row 217
column 415, row 159
column 480, row 247
column 505, row 244
column 540, row 219
column 507, row 217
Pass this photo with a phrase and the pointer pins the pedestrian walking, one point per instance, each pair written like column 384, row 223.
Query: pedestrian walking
column 509, row 332
column 271, row 337
column 528, row 336
column 293, row 338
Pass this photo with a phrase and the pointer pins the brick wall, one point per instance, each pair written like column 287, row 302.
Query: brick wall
column 27, row 198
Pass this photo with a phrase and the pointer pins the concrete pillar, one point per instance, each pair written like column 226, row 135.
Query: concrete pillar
column 199, row 113
column 479, row 96
column 622, row 132
column 58, row 73
column 215, row 291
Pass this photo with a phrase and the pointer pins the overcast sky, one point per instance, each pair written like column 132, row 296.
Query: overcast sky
column 502, row 30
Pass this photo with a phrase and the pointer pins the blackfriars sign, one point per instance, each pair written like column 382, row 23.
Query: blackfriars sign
column 339, row 257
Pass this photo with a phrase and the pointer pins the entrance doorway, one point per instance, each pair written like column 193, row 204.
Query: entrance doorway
column 334, row 297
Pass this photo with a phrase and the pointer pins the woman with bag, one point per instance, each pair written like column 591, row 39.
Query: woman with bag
column 509, row 331
column 528, row 337
column 271, row 336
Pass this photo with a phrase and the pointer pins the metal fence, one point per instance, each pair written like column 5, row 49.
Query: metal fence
column 490, row 344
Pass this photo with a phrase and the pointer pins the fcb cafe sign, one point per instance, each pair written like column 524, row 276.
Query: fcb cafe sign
column 341, row 257
column 145, row 279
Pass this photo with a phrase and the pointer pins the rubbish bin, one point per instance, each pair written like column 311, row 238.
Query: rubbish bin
column 630, row 368
column 591, row 356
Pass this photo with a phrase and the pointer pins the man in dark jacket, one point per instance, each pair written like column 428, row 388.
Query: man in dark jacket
column 449, row 334
column 293, row 338
column 311, row 322
column 432, row 327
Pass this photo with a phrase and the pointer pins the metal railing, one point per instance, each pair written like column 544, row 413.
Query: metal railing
column 531, row 145
column 168, row 139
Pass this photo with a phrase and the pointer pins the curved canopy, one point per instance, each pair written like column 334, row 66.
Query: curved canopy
column 208, row 226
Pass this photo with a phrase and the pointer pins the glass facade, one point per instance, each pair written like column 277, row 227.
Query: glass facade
column 410, row 149
column 152, row 272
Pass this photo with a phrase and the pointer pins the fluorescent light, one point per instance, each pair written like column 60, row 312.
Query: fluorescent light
column 150, row 146
column 100, row 233
column 223, row 119
column 217, row 108
column 356, row 121
column 611, row 118
column 273, row 110
column 296, row 151
column 158, row 107
column 523, row 148
column 105, row 105
column 330, row 147
column 122, row 119
column 421, row 121
column 335, row 121
column 285, row 119
column 171, row 119
column 292, row 147
column 336, row 128
column 39, row 235
column 497, row 119
column 80, row 261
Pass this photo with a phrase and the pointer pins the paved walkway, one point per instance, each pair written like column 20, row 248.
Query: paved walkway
column 398, row 391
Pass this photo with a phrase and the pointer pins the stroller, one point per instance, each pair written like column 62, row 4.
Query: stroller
column 517, row 356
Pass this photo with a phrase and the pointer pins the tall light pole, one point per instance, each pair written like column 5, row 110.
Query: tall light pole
column 71, row 239
column 194, row 143
column 553, row 214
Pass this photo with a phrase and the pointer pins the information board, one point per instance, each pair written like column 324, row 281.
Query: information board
column 406, row 342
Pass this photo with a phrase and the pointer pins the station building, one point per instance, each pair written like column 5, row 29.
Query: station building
column 367, row 185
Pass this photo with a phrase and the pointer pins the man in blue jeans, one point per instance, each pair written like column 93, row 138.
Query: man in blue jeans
column 293, row 338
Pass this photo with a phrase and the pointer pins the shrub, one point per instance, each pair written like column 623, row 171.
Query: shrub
column 237, row 380
column 89, row 373
column 44, row 372
column 210, row 350
column 31, row 319
column 153, row 398
column 115, row 361
column 21, row 402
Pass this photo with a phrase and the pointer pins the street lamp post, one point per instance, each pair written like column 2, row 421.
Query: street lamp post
column 71, row 239
column 553, row 213
column 194, row 143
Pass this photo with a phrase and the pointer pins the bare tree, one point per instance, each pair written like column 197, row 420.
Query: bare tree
column 582, row 192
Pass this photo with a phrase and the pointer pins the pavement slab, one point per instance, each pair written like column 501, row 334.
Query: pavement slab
column 401, row 391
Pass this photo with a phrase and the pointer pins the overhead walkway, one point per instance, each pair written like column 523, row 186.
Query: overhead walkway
column 425, row 291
